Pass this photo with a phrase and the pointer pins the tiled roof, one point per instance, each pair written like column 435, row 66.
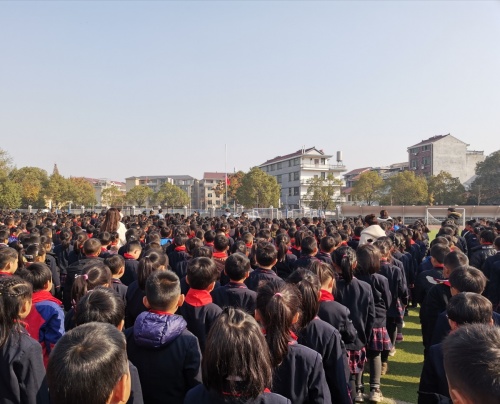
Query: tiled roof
column 357, row 171
column 294, row 154
column 433, row 139
column 214, row 176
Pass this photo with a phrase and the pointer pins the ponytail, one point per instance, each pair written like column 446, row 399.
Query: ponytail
column 277, row 304
column 309, row 287
column 148, row 264
column 97, row 275
column 282, row 241
column 345, row 258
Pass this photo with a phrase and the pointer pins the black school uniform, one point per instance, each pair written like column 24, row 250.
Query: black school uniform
column 260, row 275
column 200, row 313
column 120, row 289
column 433, row 376
column 176, row 255
column 285, row 267
column 434, row 303
column 200, row 395
column 492, row 291
column 397, row 285
column 325, row 257
column 235, row 295
column 326, row 340
column 425, row 281
column 357, row 296
column 130, row 274
column 382, row 297
column 22, row 374
column 301, row 377
column 305, row 261
column 181, row 269
column 135, row 386
column 338, row 316
column 134, row 306
column 77, row 268
column 167, row 357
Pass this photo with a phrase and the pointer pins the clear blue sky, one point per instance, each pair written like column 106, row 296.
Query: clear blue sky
column 114, row 89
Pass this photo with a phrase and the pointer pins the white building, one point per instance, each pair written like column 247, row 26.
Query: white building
column 292, row 171
column 100, row 184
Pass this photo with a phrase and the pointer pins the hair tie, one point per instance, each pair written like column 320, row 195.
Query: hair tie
column 278, row 294
column 344, row 256
column 84, row 276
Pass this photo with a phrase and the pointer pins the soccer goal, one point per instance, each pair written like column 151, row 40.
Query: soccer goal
column 438, row 215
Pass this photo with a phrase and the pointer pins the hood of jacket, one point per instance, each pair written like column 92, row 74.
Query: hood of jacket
column 152, row 330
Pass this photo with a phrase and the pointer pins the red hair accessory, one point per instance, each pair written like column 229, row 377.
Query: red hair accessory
column 278, row 294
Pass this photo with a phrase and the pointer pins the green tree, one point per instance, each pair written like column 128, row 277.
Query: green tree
column 485, row 190
column 171, row 196
column 58, row 190
column 405, row 189
column 10, row 194
column 139, row 194
column 5, row 164
column 111, row 196
column 445, row 189
column 368, row 188
column 32, row 181
column 80, row 192
column 234, row 183
column 258, row 189
column 322, row 192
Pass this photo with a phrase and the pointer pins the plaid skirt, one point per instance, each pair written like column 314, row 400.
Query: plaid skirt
column 379, row 340
column 357, row 360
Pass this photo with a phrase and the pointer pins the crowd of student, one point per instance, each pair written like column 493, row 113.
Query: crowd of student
column 101, row 308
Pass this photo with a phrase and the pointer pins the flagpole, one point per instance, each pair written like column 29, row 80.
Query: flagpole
column 225, row 170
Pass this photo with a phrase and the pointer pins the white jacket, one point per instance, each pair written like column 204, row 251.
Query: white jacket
column 370, row 234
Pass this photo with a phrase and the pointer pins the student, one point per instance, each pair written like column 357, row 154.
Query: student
column 285, row 258
column 479, row 254
column 198, row 309
column 321, row 336
column 219, row 255
column 298, row 370
column 368, row 266
column 426, row 279
column 471, row 361
column 132, row 254
column 104, row 306
column 191, row 245
column 266, row 256
column 177, row 251
column 112, row 223
column 463, row 308
column 327, row 246
column 166, row 354
column 331, row 311
column 372, row 230
column 8, row 261
column 490, row 262
column 62, row 250
column 22, row 374
column 116, row 264
column 101, row 350
column 151, row 262
column 357, row 296
column 251, row 369
column 308, row 251
column 235, row 293
column 46, row 318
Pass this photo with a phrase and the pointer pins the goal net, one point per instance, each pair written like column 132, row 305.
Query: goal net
column 437, row 215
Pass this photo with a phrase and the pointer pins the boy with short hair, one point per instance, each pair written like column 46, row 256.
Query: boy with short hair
column 426, row 279
column 101, row 350
column 116, row 264
column 236, row 293
column 198, row 309
column 8, row 261
column 134, row 250
column 327, row 246
column 166, row 354
column 266, row 256
column 308, row 251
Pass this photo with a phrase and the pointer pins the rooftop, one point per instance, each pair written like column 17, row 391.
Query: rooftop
column 434, row 139
column 295, row 154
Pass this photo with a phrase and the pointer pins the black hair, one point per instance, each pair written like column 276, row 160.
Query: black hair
column 282, row 241
column 14, row 291
column 150, row 263
column 92, row 246
column 266, row 253
column 38, row 274
column 237, row 266
column 7, row 254
column 239, row 247
column 345, row 257
column 114, row 263
column 209, row 236
column 278, row 303
column 455, row 259
column 102, row 305
column 133, row 245
column 33, row 251
column 309, row 287
column 4, row 235
column 202, row 252
column 201, row 272
column 96, row 275
column 368, row 257
column 469, row 307
column 308, row 245
column 221, row 242
column 472, row 362
column 323, row 271
column 467, row 279
column 250, row 370
column 371, row 219
column 163, row 289
column 105, row 238
column 488, row 236
column 439, row 252
column 100, row 350
column 193, row 243
column 327, row 244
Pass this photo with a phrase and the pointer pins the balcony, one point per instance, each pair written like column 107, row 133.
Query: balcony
column 323, row 167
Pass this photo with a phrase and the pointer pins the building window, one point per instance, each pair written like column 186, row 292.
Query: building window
column 290, row 191
column 296, row 176
column 273, row 167
column 426, row 147
column 323, row 161
column 296, row 191
column 289, row 163
column 296, row 161
column 425, row 161
column 209, row 202
column 279, row 166
column 290, row 177
column 279, row 178
column 413, row 163
column 323, row 175
column 209, row 195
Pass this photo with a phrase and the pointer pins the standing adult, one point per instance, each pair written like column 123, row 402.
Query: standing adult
column 112, row 224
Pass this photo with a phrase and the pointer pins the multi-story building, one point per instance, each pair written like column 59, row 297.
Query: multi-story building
column 100, row 184
column 208, row 197
column 185, row 182
column 293, row 171
column 444, row 153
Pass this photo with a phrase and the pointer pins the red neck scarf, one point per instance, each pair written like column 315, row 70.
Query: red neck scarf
column 44, row 295
column 4, row 273
column 161, row 313
column 180, row 248
column 219, row 254
column 326, row 296
column 198, row 298
column 128, row 256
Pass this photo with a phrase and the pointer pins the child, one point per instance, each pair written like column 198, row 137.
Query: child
column 177, row 252
column 221, row 246
column 327, row 245
column 98, row 348
column 22, row 374
column 104, row 306
column 250, row 370
column 116, row 264
column 153, row 261
column 191, row 245
column 266, row 256
column 235, row 293
column 198, row 309
column 321, row 336
column 46, row 317
column 284, row 266
column 357, row 296
column 8, row 261
column 426, row 279
column 471, row 362
column 298, row 370
column 165, row 353
column 308, row 251
column 134, row 250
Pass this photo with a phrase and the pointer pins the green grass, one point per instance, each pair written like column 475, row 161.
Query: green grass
column 401, row 381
